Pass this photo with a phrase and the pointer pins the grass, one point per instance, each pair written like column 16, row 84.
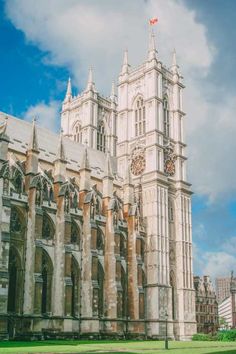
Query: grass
column 114, row 347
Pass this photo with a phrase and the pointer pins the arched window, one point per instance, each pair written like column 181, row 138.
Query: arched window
column 47, row 228
column 101, row 290
column 100, row 241
column 18, row 183
column 15, row 282
column 140, row 118
column 47, row 271
column 75, row 279
column 78, row 133
column 166, row 118
column 75, row 234
column 101, row 137
column 15, row 221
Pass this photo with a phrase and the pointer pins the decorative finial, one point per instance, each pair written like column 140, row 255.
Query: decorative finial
column 125, row 65
column 108, row 166
column 90, row 84
column 113, row 93
column 174, row 66
column 61, row 150
column 33, row 145
column 152, row 46
column 68, row 91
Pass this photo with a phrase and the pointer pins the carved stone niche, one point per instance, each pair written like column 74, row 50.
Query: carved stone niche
column 169, row 160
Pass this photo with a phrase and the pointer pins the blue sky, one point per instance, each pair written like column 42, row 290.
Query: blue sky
column 42, row 44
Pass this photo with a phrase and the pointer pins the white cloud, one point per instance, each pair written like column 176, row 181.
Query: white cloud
column 47, row 114
column 77, row 34
column 218, row 263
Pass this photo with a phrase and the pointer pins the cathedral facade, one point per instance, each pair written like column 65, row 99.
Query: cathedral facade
column 95, row 223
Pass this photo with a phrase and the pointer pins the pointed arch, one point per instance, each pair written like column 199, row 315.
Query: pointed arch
column 48, row 227
column 75, row 293
column 101, row 136
column 77, row 132
column 166, row 117
column 15, row 287
column 47, row 274
column 100, row 241
column 139, row 116
column 17, row 222
column 75, row 233
column 101, row 276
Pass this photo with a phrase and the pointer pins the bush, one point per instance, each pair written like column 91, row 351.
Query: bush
column 201, row 337
column 227, row 335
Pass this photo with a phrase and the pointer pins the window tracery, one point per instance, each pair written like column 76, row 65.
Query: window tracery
column 166, row 118
column 140, row 117
column 101, row 137
column 78, row 133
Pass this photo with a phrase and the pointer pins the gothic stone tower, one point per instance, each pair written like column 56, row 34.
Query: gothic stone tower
column 150, row 130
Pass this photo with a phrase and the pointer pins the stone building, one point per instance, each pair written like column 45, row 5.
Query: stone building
column 223, row 288
column 227, row 307
column 95, row 234
column 206, row 305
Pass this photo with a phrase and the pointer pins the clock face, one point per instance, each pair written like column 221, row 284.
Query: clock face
column 170, row 167
column 138, row 165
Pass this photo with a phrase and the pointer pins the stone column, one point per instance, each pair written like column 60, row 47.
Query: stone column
column 59, row 261
column 110, row 274
column 29, row 285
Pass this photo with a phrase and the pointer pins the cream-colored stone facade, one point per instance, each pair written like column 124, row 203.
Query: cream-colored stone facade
column 95, row 234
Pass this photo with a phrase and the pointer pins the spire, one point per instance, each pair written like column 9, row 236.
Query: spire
column 113, row 92
column 125, row 65
column 85, row 161
column 68, row 91
column 152, row 46
column 174, row 66
column 90, row 84
column 61, row 150
column 33, row 144
column 108, row 166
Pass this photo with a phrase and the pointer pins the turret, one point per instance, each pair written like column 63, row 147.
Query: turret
column 152, row 52
column 60, row 162
column 68, row 96
column 32, row 155
column 85, row 172
column 90, row 84
column 113, row 96
column 174, row 67
column 108, row 178
column 125, row 65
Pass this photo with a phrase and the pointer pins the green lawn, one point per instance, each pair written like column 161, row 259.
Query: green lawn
column 128, row 347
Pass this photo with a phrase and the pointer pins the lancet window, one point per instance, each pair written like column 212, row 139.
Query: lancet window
column 78, row 133
column 101, row 137
column 140, row 117
column 166, row 118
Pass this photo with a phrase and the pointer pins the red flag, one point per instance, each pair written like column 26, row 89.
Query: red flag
column 153, row 21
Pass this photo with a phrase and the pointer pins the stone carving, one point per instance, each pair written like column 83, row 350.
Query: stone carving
column 138, row 161
column 169, row 160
